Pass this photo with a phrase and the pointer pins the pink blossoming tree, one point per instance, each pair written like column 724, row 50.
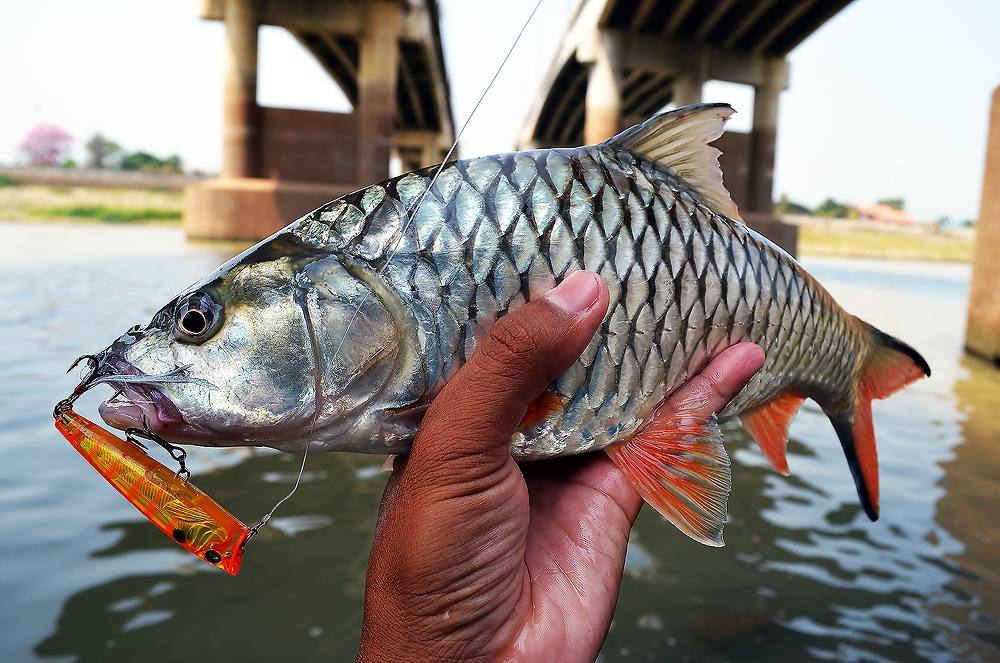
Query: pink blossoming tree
column 46, row 145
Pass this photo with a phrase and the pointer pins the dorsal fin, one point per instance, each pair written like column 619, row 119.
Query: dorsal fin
column 678, row 140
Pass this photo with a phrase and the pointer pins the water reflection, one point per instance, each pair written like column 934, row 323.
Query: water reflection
column 969, row 507
column 804, row 575
column 296, row 599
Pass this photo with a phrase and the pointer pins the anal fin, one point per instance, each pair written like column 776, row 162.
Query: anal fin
column 768, row 426
column 540, row 409
column 678, row 464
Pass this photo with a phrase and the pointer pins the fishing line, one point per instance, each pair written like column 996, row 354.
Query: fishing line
column 267, row 516
column 411, row 214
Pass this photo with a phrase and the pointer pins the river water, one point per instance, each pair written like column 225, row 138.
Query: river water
column 804, row 576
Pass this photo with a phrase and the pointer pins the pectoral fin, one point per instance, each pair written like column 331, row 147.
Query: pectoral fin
column 539, row 409
column 679, row 466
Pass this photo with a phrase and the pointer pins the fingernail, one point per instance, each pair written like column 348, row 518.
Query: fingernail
column 576, row 293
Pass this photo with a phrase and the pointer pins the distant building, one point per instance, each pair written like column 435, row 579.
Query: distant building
column 882, row 213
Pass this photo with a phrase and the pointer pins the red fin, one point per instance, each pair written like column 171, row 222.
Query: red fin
column 887, row 372
column 540, row 408
column 768, row 425
column 891, row 366
column 865, row 465
column 678, row 464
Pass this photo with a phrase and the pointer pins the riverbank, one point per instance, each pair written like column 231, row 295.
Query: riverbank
column 837, row 238
column 31, row 202
column 833, row 238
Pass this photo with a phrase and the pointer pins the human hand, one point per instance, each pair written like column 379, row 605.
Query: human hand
column 477, row 558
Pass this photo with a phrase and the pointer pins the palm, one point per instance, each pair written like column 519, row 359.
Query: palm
column 478, row 558
column 580, row 514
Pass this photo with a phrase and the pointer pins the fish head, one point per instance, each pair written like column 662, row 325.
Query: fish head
column 258, row 353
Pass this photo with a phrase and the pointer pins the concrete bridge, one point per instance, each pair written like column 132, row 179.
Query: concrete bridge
column 622, row 60
column 279, row 163
column 982, row 332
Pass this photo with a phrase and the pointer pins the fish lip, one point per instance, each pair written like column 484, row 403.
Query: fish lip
column 144, row 406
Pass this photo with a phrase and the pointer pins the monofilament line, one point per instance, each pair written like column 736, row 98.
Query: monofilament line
column 410, row 215
column 298, row 479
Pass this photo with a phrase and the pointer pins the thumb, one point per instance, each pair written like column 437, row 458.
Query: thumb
column 481, row 407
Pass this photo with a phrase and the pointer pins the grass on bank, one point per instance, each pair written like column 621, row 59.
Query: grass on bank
column 91, row 205
column 109, row 214
column 848, row 239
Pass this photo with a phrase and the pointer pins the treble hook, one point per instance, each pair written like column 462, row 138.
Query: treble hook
column 176, row 452
column 91, row 362
column 66, row 404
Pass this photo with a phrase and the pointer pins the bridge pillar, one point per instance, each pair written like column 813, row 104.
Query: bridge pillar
column 377, row 67
column 687, row 88
column 241, row 136
column 982, row 334
column 430, row 151
column 762, row 139
column 603, row 103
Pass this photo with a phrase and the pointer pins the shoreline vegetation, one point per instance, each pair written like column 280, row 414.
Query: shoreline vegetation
column 840, row 238
column 844, row 238
column 41, row 203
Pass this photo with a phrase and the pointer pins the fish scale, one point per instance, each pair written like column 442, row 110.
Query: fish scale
column 675, row 268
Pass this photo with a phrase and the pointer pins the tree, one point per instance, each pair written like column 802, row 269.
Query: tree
column 173, row 164
column 150, row 163
column 46, row 145
column 787, row 206
column 101, row 152
column 830, row 208
column 894, row 203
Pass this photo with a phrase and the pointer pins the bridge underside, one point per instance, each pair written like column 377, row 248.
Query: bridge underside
column 621, row 61
column 279, row 163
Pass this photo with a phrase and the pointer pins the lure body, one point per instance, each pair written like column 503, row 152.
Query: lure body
column 185, row 514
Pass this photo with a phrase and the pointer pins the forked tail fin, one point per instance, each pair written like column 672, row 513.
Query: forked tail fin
column 891, row 365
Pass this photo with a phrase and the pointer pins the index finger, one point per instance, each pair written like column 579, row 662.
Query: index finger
column 720, row 381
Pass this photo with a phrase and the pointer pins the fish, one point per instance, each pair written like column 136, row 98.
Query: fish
column 338, row 330
column 188, row 516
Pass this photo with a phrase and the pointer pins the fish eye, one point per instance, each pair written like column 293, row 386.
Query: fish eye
column 194, row 322
column 197, row 318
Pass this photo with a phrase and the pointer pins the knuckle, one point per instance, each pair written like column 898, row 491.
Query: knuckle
column 713, row 382
column 512, row 341
column 698, row 395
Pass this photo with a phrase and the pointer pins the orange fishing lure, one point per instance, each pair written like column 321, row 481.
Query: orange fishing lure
column 181, row 511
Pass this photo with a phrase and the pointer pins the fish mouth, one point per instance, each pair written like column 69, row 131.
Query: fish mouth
column 142, row 407
column 137, row 405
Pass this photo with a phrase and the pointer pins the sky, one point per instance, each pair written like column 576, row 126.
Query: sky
column 884, row 101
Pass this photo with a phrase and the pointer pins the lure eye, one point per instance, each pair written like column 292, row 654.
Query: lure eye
column 197, row 318
column 213, row 556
